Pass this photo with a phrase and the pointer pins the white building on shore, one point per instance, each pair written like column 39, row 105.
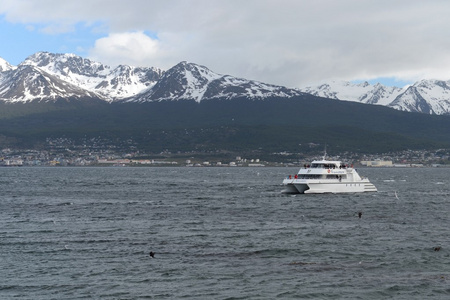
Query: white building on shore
column 377, row 163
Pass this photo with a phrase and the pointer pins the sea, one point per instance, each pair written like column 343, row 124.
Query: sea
column 220, row 233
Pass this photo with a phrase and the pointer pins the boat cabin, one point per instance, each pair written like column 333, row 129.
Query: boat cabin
column 318, row 170
column 327, row 165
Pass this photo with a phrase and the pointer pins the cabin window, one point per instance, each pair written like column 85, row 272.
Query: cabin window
column 309, row 176
column 324, row 166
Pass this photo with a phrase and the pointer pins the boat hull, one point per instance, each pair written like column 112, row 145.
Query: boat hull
column 294, row 189
column 311, row 187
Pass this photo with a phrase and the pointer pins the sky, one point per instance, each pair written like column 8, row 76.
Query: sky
column 294, row 43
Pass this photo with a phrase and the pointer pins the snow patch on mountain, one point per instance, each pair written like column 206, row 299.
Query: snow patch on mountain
column 358, row 92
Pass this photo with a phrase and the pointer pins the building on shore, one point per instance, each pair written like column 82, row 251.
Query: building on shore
column 377, row 163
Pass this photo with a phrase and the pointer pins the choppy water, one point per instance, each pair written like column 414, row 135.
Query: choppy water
column 220, row 233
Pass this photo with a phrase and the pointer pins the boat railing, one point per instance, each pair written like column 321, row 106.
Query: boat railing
column 321, row 166
column 326, row 168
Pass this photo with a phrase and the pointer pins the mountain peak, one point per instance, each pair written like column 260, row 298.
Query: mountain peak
column 197, row 71
column 183, row 81
column 65, row 64
column 5, row 66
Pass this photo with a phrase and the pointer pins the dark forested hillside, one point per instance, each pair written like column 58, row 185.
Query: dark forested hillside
column 271, row 125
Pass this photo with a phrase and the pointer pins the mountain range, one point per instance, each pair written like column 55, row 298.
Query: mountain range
column 48, row 76
column 191, row 108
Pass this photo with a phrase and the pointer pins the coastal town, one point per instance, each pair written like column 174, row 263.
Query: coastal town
column 63, row 152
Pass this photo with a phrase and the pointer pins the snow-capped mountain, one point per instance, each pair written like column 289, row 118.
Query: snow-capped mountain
column 191, row 81
column 426, row 96
column 111, row 83
column 26, row 83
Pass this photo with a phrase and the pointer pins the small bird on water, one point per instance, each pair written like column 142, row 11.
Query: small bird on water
column 360, row 215
column 152, row 254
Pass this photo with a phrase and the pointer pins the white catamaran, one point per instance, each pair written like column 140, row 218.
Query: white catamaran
column 325, row 176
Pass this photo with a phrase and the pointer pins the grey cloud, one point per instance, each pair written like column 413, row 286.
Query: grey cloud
column 287, row 42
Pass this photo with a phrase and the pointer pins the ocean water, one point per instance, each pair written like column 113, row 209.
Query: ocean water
column 220, row 233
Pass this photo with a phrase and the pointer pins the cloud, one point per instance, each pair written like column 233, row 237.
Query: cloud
column 287, row 42
column 132, row 48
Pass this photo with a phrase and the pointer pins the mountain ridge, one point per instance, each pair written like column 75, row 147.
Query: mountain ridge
column 188, row 81
column 108, row 83
column 425, row 96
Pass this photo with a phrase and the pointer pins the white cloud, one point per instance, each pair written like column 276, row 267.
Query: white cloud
column 132, row 48
column 288, row 42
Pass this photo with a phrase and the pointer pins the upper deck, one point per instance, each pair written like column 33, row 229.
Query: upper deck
column 327, row 164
